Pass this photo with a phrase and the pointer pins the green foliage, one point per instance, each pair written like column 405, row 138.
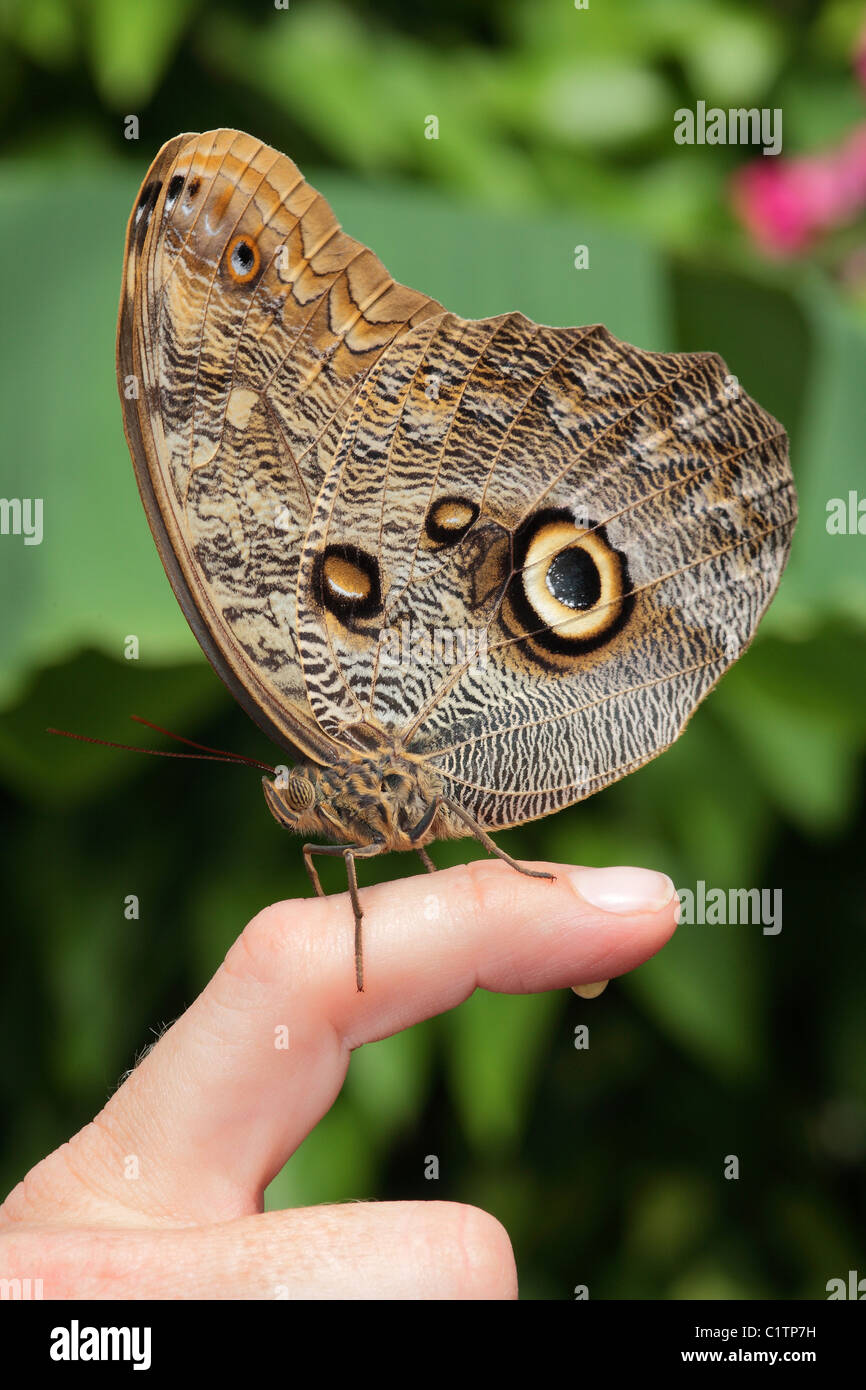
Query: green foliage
column 555, row 131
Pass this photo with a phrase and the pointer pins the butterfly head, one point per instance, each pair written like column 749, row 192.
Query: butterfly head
column 292, row 800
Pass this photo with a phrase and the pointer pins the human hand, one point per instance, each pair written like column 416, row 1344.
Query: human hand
column 161, row 1195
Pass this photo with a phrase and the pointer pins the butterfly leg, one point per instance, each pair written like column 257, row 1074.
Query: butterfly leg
column 312, row 871
column 480, row 834
column 426, row 860
column 349, row 853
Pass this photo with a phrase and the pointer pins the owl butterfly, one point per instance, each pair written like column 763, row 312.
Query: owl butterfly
column 466, row 572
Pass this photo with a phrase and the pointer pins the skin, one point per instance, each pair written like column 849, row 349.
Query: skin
column 214, row 1109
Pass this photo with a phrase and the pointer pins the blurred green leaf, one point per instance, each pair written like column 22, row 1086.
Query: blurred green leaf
column 44, row 29
column 388, row 1080
column 57, row 771
column 705, row 990
column 601, row 102
column 132, row 44
column 493, row 1046
column 336, row 1162
column 797, row 712
column 670, row 1217
column 734, row 57
column 827, row 574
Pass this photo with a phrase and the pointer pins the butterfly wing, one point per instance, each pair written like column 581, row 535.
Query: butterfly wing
column 248, row 322
column 571, row 539
column 524, row 554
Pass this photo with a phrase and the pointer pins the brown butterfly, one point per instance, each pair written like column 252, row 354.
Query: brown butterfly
column 466, row 572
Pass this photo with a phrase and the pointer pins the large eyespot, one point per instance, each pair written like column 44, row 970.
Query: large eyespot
column 570, row 591
column 243, row 259
column 449, row 518
column 347, row 582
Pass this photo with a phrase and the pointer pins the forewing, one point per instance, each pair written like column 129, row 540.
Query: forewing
column 248, row 322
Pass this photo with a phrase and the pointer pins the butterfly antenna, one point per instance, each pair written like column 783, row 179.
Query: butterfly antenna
column 217, row 752
column 213, row 755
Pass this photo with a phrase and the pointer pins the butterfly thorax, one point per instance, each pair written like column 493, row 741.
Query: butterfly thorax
column 365, row 799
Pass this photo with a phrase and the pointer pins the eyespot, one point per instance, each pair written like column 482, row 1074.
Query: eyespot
column 347, row 582
column 570, row 591
column 449, row 518
column 147, row 201
column 243, row 260
column 194, row 186
column 173, row 190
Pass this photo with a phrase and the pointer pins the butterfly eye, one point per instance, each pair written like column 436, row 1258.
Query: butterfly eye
column 449, row 519
column 299, row 793
column 243, row 260
column 570, row 591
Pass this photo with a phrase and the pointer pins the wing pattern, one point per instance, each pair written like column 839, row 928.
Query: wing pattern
column 524, row 554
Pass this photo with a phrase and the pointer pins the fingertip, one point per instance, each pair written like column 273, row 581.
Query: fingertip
column 468, row 1251
column 490, row 1263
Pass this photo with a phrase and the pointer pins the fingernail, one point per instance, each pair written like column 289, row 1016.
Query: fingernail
column 591, row 991
column 623, row 890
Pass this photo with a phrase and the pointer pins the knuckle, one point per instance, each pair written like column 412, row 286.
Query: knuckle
column 482, row 879
column 261, row 945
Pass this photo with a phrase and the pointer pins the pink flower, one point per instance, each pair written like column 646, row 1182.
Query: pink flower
column 787, row 204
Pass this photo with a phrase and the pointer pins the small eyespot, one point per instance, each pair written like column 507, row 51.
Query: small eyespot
column 173, row 190
column 149, row 195
column 243, row 260
column 194, row 186
column 347, row 582
column 449, row 518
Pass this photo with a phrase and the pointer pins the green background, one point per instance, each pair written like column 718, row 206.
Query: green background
column 606, row 1165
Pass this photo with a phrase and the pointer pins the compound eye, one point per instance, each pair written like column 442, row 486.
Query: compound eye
column 299, row 793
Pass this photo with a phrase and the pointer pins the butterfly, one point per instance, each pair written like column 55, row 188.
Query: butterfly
column 465, row 572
